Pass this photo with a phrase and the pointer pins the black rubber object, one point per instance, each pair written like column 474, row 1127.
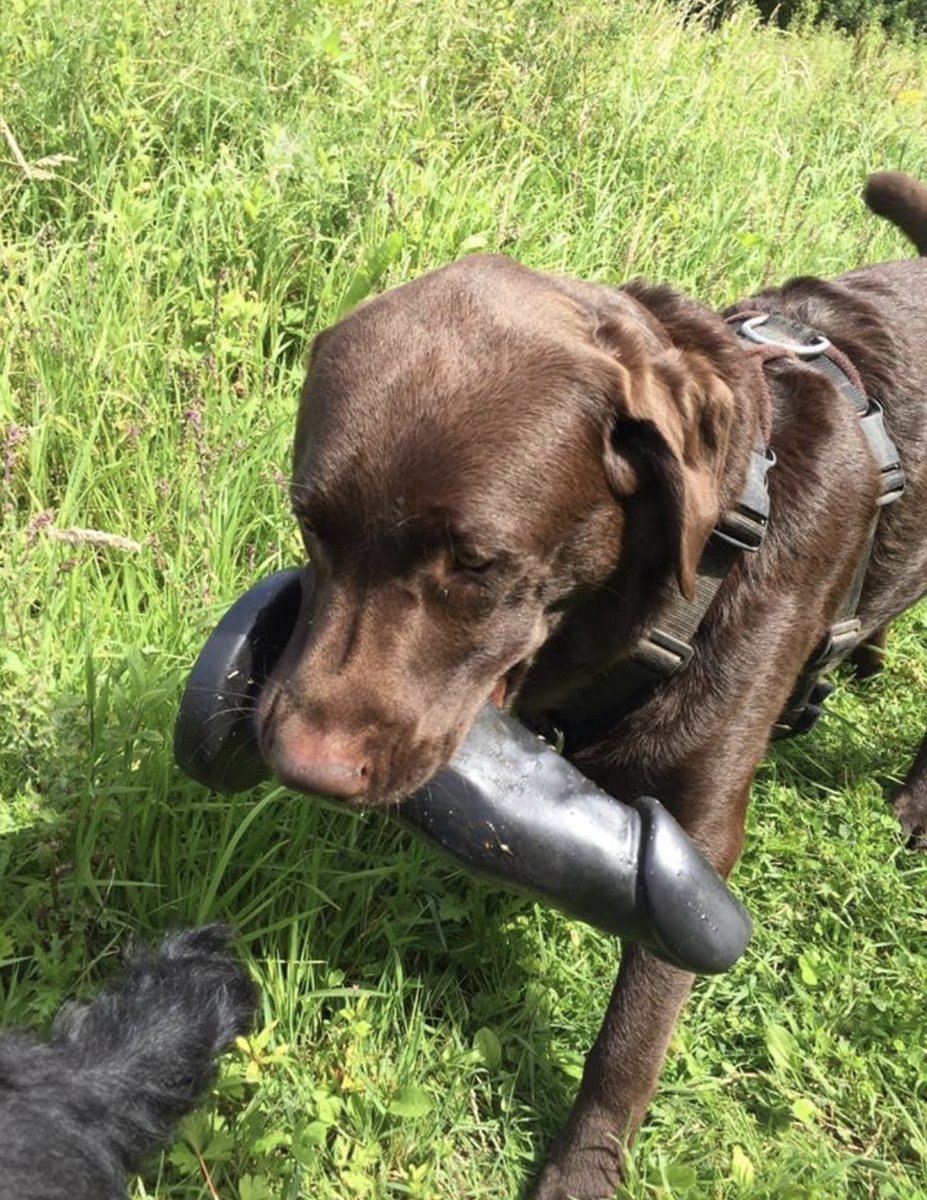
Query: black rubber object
column 507, row 808
column 214, row 738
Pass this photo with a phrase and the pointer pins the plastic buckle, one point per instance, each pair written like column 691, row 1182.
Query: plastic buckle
column 891, row 478
column 662, row 652
column 744, row 527
column 839, row 640
column 892, row 485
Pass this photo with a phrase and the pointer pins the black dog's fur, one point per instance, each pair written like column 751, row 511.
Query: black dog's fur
column 81, row 1112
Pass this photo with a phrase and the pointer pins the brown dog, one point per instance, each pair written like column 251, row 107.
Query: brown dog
column 501, row 476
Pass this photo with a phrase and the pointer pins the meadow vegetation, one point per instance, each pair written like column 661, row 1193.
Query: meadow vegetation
column 188, row 192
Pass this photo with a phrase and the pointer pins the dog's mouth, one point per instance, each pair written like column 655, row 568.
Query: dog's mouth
column 321, row 752
column 379, row 773
column 505, row 687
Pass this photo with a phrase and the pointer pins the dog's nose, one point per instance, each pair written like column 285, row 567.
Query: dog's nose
column 320, row 764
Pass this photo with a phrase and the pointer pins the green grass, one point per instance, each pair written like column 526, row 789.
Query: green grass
column 235, row 175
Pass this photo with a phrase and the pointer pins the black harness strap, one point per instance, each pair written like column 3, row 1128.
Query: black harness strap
column 813, row 349
column 667, row 648
column 799, row 341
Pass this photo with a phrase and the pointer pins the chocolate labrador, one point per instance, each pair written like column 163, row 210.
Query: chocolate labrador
column 502, row 478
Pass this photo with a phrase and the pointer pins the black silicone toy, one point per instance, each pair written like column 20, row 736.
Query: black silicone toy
column 507, row 807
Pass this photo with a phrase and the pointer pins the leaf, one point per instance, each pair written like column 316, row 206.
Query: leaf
column 375, row 264
column 451, row 909
column 782, row 1047
column 12, row 664
column 183, row 1158
column 272, row 1140
column 680, row 1177
column 219, row 1147
column 355, row 1182
column 307, row 1141
column 676, row 1178
column 571, row 1064
column 328, row 1107
column 476, row 241
column 488, row 1047
column 254, row 1187
column 314, row 1133
column 260, row 1040
column 410, row 1102
column 743, row 1173
column 807, row 971
column 196, row 1131
column 804, row 1110
column 331, row 44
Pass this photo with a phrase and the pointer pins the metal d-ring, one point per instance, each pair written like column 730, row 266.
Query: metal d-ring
column 749, row 330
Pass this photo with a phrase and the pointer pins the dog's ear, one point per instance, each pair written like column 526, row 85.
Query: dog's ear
column 671, row 417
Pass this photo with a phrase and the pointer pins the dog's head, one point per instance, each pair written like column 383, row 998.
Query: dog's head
column 475, row 452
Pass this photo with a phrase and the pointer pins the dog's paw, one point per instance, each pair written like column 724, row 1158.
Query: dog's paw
column 581, row 1168
column 911, row 811
column 558, row 1184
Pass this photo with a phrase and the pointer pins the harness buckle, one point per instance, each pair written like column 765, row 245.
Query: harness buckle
column 662, row 653
column 891, row 472
column 744, row 526
column 788, row 338
column 741, row 529
column 892, row 486
column 836, row 644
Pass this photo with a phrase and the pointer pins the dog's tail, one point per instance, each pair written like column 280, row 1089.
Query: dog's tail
column 145, row 1048
column 903, row 201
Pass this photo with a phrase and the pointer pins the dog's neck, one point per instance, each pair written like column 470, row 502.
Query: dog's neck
column 605, row 625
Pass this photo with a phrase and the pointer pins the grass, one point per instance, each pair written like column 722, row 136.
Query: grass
column 196, row 189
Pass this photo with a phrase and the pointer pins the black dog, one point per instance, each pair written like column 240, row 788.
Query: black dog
column 82, row 1111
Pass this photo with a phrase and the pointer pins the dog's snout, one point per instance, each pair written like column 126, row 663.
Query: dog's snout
column 318, row 763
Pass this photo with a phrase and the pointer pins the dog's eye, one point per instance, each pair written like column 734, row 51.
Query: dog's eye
column 307, row 530
column 470, row 561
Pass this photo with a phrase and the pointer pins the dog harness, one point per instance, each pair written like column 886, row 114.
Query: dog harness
column 667, row 647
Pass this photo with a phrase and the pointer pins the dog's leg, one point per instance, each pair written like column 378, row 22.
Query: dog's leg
column 619, row 1078
column 911, row 802
column 621, row 1072
column 869, row 658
